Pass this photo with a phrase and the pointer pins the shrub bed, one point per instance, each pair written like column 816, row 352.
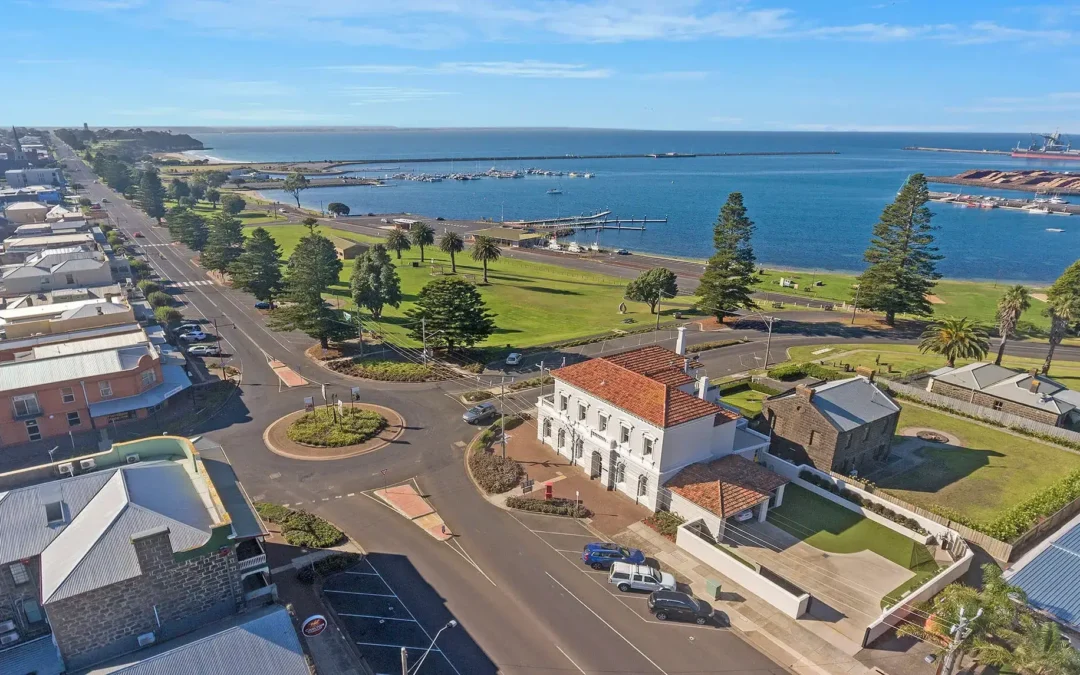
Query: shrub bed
column 797, row 371
column 300, row 528
column 665, row 522
column 856, row 498
column 555, row 507
column 495, row 474
column 386, row 371
column 477, row 396
column 530, row 383
column 331, row 564
column 328, row 428
column 715, row 344
column 159, row 299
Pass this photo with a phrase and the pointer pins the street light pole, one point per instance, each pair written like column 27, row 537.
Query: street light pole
column 416, row 669
column 960, row 632
column 768, row 341
column 855, row 308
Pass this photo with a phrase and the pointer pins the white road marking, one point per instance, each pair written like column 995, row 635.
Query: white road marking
column 613, row 629
column 374, row 595
column 372, row 616
column 580, row 669
column 568, row 534
column 363, row 574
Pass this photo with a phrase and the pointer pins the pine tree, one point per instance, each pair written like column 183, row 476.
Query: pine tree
column 258, row 269
column 902, row 256
column 151, row 195
column 312, row 268
column 450, row 312
column 729, row 274
column 375, row 282
column 187, row 227
column 224, row 243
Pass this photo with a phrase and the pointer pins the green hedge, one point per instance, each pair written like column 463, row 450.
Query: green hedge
column 330, row 428
column 797, row 371
column 555, row 507
column 386, row 371
column 856, row 498
column 331, row 564
column 530, row 383
column 159, row 299
column 715, row 344
column 300, row 528
column 665, row 522
column 495, row 474
column 1022, row 517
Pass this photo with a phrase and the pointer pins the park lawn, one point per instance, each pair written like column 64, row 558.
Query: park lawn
column 992, row 471
column 746, row 400
column 206, row 210
column 974, row 299
column 835, row 529
column 287, row 235
column 906, row 359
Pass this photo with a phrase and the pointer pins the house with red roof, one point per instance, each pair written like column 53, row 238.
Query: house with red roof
column 636, row 419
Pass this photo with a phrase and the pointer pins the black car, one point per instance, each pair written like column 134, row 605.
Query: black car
column 666, row 605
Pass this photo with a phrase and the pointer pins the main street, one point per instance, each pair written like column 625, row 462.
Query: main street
column 522, row 606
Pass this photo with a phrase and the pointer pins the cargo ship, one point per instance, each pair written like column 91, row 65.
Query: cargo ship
column 1053, row 146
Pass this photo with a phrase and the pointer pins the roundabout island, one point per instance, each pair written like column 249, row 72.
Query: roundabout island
column 327, row 433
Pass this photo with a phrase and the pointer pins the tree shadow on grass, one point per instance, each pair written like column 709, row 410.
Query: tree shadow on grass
column 943, row 466
column 553, row 291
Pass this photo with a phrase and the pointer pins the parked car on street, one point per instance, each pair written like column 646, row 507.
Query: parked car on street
column 187, row 328
column 514, row 359
column 622, row 251
column 138, row 235
column 194, row 336
column 262, row 304
column 204, row 350
column 479, row 413
column 104, row 201
column 629, row 577
column 666, row 605
column 600, row 555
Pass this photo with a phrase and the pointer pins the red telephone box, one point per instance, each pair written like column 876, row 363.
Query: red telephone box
column 548, row 490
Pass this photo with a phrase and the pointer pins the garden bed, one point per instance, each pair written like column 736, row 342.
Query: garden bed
column 300, row 528
column 665, row 523
column 556, row 506
column 330, row 428
column 385, row 370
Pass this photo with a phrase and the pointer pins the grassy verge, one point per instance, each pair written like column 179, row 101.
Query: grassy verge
column 991, row 471
column 334, row 429
column 835, row 529
column 746, row 400
column 386, row 371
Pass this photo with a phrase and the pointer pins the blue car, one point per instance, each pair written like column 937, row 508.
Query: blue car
column 262, row 304
column 600, row 555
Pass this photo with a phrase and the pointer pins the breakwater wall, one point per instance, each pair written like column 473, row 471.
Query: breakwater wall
column 525, row 158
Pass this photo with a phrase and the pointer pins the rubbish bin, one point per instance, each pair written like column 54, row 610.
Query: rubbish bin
column 712, row 588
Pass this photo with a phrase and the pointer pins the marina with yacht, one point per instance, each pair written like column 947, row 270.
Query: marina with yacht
column 1040, row 205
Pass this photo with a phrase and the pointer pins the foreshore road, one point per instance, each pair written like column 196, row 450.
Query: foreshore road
column 522, row 607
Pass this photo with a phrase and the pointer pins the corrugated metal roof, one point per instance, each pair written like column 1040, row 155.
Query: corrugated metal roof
column 245, row 522
column 262, row 642
column 174, row 380
column 1052, row 579
column 1010, row 385
column 38, row 656
column 851, row 403
column 39, row 372
column 92, row 345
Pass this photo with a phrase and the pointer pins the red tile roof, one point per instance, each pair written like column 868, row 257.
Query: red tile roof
column 726, row 486
column 643, row 383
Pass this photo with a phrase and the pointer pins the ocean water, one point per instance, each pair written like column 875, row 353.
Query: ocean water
column 812, row 212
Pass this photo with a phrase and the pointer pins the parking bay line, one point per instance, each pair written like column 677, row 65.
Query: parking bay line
column 570, row 659
column 566, row 534
column 381, row 618
column 602, row 620
column 374, row 595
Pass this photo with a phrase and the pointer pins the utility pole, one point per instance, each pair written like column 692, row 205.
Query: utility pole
column 855, row 308
column 502, row 414
column 541, row 379
column 221, row 359
column 960, row 632
column 768, row 340
column 659, row 298
column 423, row 336
column 404, row 662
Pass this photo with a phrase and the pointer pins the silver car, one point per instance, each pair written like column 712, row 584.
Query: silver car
column 479, row 413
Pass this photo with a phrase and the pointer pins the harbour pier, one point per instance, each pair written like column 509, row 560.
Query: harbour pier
column 602, row 220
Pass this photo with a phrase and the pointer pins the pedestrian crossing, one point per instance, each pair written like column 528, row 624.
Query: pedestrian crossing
column 189, row 284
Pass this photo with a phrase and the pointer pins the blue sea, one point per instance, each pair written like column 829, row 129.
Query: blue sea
column 812, row 212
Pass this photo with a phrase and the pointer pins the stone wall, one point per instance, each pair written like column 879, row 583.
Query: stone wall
column 793, row 418
column 994, row 403
column 107, row 621
column 12, row 596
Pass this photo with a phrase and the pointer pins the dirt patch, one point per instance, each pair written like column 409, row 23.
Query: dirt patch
column 1041, row 297
column 935, row 300
column 277, row 440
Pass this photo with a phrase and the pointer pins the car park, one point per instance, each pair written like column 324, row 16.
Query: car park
column 513, row 359
column 600, row 555
column 204, row 350
column 666, row 605
column 629, row 577
column 194, row 336
column 479, row 413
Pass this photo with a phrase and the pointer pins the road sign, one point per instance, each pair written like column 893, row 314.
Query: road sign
column 314, row 625
column 355, row 392
column 309, row 403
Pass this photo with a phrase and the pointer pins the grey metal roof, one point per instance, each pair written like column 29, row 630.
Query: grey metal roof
column 246, row 522
column 1052, row 396
column 976, row 375
column 259, row 643
column 173, row 381
column 38, row 372
column 94, row 310
column 73, row 338
column 851, row 403
column 1052, row 579
column 127, row 339
column 38, row 656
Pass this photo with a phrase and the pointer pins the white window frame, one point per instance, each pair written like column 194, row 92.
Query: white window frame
column 145, row 382
column 67, row 393
column 625, row 430
column 78, row 419
column 30, row 434
column 24, row 399
column 564, row 402
column 19, row 574
column 105, row 388
column 603, row 420
column 648, row 445
column 582, row 412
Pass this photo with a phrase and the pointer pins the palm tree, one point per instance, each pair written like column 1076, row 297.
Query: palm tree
column 422, row 235
column 397, row 241
column 1012, row 304
column 1064, row 311
column 1038, row 648
column 453, row 244
column 955, row 339
column 485, row 250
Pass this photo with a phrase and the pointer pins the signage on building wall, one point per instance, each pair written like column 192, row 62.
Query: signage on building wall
column 314, row 625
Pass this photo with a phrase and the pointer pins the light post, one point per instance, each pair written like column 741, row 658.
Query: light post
column 855, row 308
column 768, row 321
column 405, row 658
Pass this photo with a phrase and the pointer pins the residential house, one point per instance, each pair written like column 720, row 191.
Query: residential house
column 34, row 193
column 26, row 212
column 62, row 268
column 112, row 552
column 17, row 249
column 20, row 178
column 1030, row 395
column 508, row 236
column 633, row 421
column 78, row 386
column 42, row 318
column 836, row 426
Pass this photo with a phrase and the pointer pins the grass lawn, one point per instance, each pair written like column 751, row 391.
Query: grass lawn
column 992, row 472
column 835, row 529
column 288, row 234
column 906, row 359
column 534, row 303
column 747, row 400
column 973, row 299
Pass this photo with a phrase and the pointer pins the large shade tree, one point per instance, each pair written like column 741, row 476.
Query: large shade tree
column 450, row 312
column 294, row 184
column 312, row 268
column 375, row 283
column 652, row 286
column 224, row 244
column 729, row 275
column 1013, row 303
column 151, row 194
column 955, row 338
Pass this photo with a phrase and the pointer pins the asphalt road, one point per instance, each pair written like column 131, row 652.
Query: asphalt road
column 523, row 607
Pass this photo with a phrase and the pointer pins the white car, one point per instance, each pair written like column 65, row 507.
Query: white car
column 743, row 516
column 640, row 578
column 514, row 359
column 187, row 328
column 194, row 336
column 204, row 350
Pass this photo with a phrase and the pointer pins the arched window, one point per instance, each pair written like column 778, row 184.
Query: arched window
column 547, row 428
column 620, row 472
column 579, row 448
column 642, row 485
column 562, row 438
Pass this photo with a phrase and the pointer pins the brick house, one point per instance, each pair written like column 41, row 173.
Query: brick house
column 835, row 426
column 141, row 547
column 1030, row 395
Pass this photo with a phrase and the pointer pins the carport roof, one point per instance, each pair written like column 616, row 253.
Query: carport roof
column 726, row 486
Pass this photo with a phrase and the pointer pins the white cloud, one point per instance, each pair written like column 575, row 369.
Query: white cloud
column 379, row 95
column 527, row 68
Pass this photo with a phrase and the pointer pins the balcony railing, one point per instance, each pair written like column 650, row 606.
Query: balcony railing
column 253, row 561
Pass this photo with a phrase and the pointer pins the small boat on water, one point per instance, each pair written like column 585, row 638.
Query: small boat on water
column 554, row 191
column 588, row 175
column 1054, row 229
column 1058, row 200
column 1040, row 210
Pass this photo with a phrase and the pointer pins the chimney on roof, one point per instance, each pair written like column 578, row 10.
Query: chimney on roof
column 804, row 391
column 680, row 342
column 686, row 366
column 1034, row 385
column 703, row 387
column 866, row 372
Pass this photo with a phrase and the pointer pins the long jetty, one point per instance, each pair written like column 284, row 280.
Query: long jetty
column 960, row 150
column 596, row 221
column 528, row 158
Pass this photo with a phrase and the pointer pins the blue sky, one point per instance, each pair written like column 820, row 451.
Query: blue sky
column 952, row 65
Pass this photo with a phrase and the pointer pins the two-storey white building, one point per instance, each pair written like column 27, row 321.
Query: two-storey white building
column 636, row 419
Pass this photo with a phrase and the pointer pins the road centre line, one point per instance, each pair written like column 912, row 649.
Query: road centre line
column 580, row 670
